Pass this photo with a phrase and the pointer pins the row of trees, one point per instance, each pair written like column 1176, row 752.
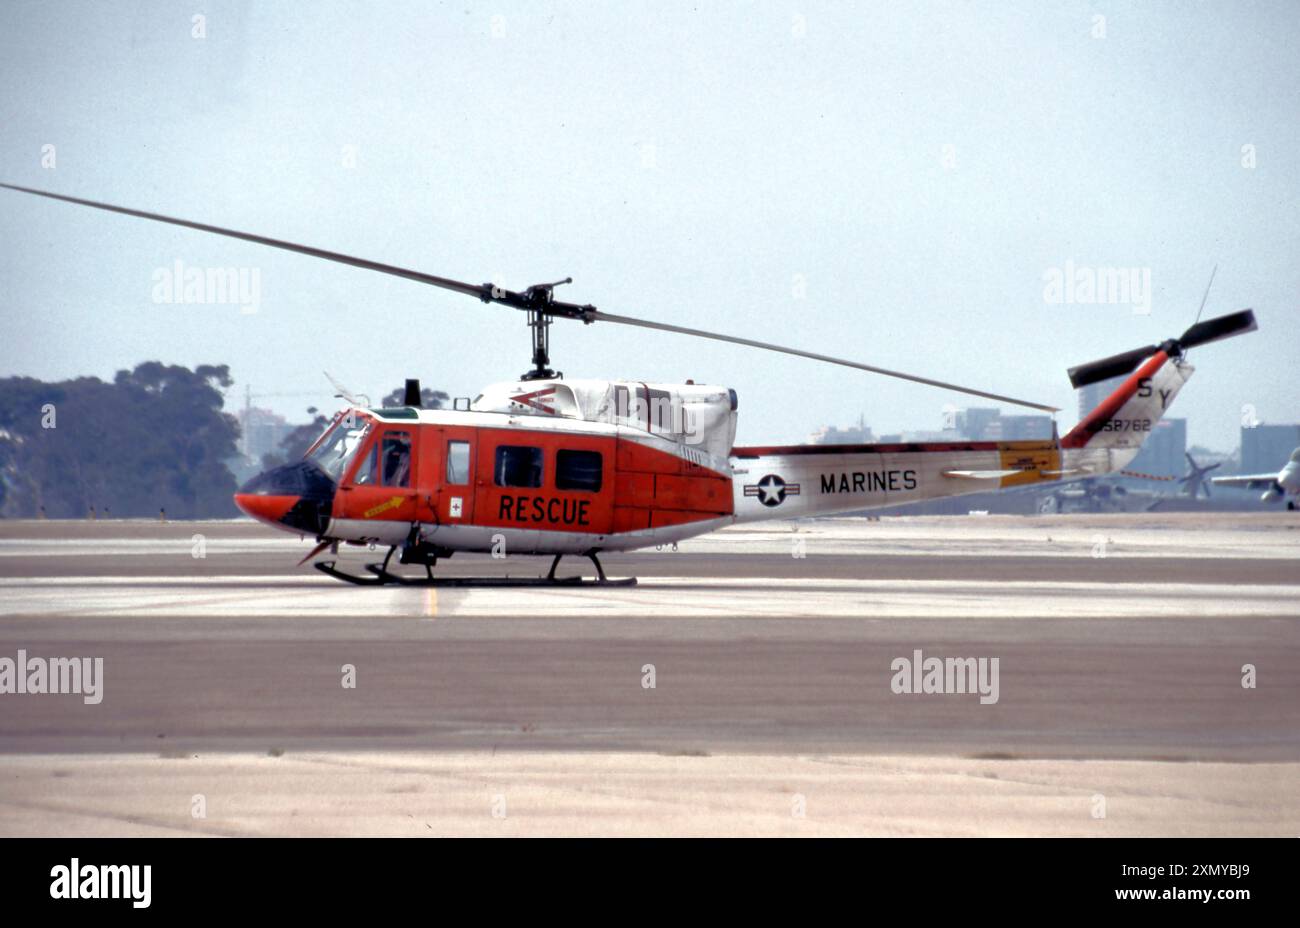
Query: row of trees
column 154, row 438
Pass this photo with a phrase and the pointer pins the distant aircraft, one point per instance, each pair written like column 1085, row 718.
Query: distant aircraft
column 1194, row 482
column 1276, row 486
column 1099, row 494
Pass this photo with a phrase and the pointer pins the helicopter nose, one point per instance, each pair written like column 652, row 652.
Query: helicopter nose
column 297, row 497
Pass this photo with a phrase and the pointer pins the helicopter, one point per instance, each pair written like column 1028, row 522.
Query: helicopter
column 544, row 465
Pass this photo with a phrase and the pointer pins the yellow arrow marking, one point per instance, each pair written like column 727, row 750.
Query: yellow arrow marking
column 392, row 503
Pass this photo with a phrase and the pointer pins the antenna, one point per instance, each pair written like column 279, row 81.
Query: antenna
column 1205, row 297
column 1207, row 293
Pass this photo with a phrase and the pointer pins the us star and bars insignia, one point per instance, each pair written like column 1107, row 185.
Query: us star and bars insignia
column 771, row 490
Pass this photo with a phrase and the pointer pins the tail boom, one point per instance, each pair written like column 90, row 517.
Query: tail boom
column 816, row 480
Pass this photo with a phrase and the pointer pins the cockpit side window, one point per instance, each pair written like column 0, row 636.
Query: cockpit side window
column 396, row 458
column 368, row 470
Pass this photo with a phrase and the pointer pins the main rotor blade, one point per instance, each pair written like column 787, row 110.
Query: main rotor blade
column 446, row 284
column 598, row 316
column 528, row 300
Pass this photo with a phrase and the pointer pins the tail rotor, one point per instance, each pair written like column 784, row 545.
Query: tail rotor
column 1200, row 333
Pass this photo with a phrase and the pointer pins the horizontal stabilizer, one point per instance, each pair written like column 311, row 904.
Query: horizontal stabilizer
column 982, row 474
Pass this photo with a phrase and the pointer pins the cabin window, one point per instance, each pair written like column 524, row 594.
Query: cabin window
column 518, row 466
column 396, row 459
column 578, row 470
column 458, row 462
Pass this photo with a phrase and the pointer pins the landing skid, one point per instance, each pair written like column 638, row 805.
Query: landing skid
column 381, row 577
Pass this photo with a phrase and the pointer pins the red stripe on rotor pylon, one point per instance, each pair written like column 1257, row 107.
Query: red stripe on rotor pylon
column 1091, row 424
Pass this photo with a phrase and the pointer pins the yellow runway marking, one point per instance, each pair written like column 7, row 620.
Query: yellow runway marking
column 431, row 602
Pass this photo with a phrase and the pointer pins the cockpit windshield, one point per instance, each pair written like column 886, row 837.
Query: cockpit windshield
column 339, row 444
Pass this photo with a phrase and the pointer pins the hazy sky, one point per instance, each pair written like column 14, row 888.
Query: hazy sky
column 887, row 182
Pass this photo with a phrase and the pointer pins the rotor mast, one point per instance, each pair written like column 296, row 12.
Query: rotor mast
column 538, row 301
column 540, row 323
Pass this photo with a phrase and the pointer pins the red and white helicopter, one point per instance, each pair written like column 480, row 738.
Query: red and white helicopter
column 549, row 466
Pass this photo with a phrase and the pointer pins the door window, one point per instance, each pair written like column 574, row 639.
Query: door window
column 458, row 462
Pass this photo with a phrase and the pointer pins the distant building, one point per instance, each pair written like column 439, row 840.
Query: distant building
column 1162, row 452
column 261, row 432
column 1026, row 428
column 1265, row 448
column 979, row 423
column 859, row 434
column 1090, row 397
column 982, row 423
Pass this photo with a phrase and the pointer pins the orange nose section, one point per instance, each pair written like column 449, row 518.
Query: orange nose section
column 269, row 509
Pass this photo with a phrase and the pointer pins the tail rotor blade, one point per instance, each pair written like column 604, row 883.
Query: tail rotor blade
column 1211, row 330
column 1114, row 366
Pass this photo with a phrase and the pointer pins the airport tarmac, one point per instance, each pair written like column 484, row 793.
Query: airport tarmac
column 1120, row 640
